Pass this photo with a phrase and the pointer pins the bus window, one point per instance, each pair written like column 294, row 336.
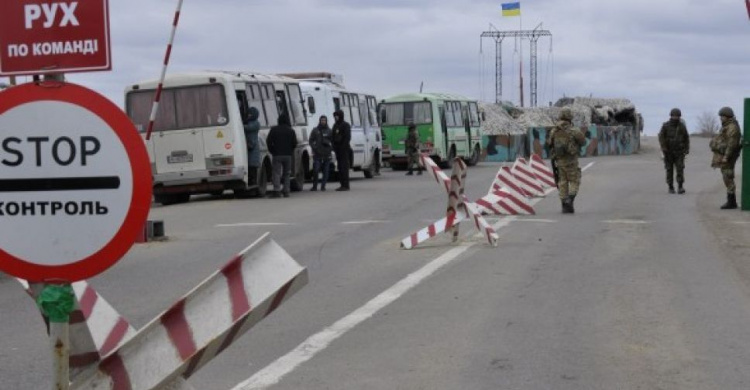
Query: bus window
column 297, row 113
column 255, row 99
column 394, row 114
column 474, row 114
column 372, row 110
column 181, row 108
column 346, row 107
column 336, row 104
column 311, row 104
column 354, row 107
column 449, row 119
column 200, row 107
column 422, row 113
column 269, row 104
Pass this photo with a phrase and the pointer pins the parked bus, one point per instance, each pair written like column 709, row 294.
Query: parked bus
column 325, row 93
column 198, row 144
column 448, row 126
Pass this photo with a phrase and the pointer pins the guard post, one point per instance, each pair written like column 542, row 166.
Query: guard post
column 746, row 160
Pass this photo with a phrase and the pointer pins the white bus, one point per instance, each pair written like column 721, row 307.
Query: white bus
column 198, row 144
column 325, row 93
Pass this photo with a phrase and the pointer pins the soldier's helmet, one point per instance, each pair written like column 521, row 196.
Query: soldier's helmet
column 566, row 114
column 675, row 112
column 727, row 112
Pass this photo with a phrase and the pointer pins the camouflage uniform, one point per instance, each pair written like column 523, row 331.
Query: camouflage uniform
column 412, row 150
column 564, row 143
column 726, row 148
column 675, row 144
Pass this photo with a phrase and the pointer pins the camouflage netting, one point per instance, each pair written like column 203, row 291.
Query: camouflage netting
column 508, row 119
column 498, row 121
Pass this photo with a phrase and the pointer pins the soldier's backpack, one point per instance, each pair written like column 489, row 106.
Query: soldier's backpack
column 564, row 144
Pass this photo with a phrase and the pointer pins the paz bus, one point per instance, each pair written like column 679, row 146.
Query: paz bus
column 325, row 93
column 448, row 126
column 198, row 144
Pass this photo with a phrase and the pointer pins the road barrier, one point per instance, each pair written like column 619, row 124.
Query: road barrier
column 459, row 207
column 107, row 353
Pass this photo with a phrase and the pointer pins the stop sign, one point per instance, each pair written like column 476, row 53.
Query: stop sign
column 75, row 182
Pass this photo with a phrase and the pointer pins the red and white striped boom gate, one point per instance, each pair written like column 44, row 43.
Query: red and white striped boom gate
column 110, row 354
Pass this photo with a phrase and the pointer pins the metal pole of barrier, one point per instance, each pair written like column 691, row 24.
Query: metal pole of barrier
column 56, row 301
column 746, row 160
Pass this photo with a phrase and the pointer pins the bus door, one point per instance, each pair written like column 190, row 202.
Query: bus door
column 444, row 131
column 467, row 127
column 281, row 102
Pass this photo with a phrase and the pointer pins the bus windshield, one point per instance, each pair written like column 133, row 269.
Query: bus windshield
column 180, row 108
column 400, row 114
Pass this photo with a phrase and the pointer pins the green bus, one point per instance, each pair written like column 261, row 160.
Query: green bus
column 448, row 126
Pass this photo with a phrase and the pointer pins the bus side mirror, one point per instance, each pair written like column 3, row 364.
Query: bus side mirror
column 383, row 118
column 382, row 134
column 484, row 117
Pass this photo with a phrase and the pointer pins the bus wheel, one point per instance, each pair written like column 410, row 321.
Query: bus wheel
column 448, row 163
column 170, row 199
column 262, row 182
column 374, row 168
column 474, row 157
column 298, row 182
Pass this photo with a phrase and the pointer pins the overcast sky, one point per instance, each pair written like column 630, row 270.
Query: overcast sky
column 692, row 54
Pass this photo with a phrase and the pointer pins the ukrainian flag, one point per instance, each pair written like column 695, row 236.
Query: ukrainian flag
column 512, row 9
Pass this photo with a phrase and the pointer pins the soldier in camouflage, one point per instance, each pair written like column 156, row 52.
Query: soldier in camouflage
column 564, row 143
column 675, row 145
column 412, row 150
column 726, row 148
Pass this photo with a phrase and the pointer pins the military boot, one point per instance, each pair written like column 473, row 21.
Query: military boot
column 411, row 172
column 731, row 202
column 565, row 208
column 680, row 189
column 571, row 205
column 671, row 189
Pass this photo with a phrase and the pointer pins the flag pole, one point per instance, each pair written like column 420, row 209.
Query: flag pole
column 520, row 71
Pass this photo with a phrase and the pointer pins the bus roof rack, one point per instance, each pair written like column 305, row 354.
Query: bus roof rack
column 325, row 77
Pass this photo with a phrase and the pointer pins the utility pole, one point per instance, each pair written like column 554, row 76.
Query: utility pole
column 533, row 36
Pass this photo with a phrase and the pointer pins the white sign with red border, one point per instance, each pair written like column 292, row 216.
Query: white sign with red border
column 75, row 182
column 42, row 37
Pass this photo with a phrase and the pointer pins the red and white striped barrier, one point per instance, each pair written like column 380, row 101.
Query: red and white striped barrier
column 203, row 323
column 459, row 208
column 505, row 202
column 96, row 328
column 542, row 171
column 436, row 172
column 530, row 184
column 481, row 224
column 157, row 97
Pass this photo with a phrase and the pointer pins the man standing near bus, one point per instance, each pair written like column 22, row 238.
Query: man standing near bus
column 281, row 142
column 342, row 136
column 322, row 145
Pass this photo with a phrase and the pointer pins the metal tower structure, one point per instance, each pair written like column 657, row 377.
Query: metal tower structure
column 533, row 37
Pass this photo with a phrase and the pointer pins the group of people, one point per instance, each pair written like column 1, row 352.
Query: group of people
column 282, row 142
column 675, row 145
column 565, row 141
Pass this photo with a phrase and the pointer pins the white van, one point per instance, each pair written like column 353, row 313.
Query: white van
column 325, row 93
column 198, row 143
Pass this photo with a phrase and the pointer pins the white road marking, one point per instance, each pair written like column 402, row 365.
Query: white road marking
column 537, row 220
column 627, row 222
column 741, row 222
column 363, row 222
column 274, row 372
column 251, row 224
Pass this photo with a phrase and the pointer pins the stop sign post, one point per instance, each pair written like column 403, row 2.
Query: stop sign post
column 75, row 183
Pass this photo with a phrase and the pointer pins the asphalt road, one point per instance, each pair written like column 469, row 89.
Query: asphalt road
column 638, row 290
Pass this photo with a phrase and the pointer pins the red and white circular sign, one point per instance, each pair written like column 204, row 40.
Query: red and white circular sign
column 75, row 182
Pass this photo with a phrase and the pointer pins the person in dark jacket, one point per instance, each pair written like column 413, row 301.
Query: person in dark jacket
column 675, row 145
column 321, row 142
column 251, row 128
column 342, row 136
column 281, row 142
